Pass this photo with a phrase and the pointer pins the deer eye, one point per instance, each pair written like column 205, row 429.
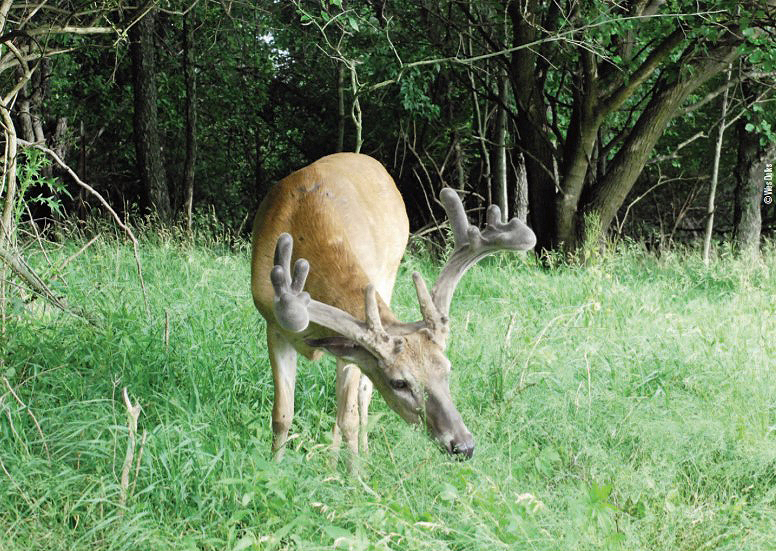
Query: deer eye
column 399, row 384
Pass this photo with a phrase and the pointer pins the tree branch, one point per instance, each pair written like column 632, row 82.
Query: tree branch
column 675, row 153
column 32, row 280
column 70, row 29
column 616, row 98
column 720, row 89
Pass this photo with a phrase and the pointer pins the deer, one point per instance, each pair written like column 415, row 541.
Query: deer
column 343, row 223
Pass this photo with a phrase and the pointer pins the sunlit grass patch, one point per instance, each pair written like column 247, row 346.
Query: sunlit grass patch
column 626, row 404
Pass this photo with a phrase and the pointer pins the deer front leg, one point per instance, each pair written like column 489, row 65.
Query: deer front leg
column 282, row 358
column 364, row 397
column 346, row 427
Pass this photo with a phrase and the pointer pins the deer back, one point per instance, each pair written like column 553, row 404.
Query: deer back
column 347, row 219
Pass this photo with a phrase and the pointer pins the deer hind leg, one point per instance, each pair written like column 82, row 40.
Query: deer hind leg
column 346, row 427
column 282, row 358
column 364, row 397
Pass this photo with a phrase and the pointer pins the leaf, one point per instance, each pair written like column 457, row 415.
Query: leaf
column 600, row 493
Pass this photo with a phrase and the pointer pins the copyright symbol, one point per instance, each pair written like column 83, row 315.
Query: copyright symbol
column 768, row 199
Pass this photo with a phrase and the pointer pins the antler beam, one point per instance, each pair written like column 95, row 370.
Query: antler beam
column 473, row 244
column 294, row 309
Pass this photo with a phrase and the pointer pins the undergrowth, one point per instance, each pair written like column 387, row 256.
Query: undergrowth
column 624, row 404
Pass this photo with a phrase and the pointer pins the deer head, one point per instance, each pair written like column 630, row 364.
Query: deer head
column 405, row 361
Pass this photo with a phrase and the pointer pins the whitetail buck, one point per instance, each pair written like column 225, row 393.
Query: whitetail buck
column 347, row 225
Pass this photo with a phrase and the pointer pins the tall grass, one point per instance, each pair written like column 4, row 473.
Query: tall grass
column 628, row 404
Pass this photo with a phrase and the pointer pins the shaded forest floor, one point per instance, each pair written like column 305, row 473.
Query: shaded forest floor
column 630, row 404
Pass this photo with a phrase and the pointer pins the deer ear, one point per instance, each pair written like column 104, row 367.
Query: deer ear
column 344, row 348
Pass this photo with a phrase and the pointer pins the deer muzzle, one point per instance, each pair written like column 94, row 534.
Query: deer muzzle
column 447, row 427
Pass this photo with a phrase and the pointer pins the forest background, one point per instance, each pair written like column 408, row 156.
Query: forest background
column 647, row 119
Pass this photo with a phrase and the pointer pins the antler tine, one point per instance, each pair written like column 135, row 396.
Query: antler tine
column 471, row 244
column 373, row 322
column 294, row 309
column 290, row 301
column 456, row 214
column 432, row 317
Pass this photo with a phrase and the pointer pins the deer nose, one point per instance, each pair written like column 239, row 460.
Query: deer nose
column 464, row 450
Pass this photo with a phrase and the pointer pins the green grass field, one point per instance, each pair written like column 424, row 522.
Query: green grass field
column 632, row 405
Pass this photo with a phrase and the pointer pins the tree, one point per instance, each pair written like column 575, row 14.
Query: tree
column 635, row 60
column 150, row 165
column 715, row 171
column 190, row 81
column 31, row 34
column 750, row 173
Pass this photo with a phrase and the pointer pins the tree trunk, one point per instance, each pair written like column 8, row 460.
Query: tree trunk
column 481, row 132
column 460, row 171
column 8, row 187
column 258, row 167
column 190, row 83
column 340, row 106
column 527, row 74
column 715, row 174
column 578, row 149
column 8, row 194
column 747, row 216
column 502, row 193
column 750, row 198
column 147, row 147
column 521, row 189
column 25, row 115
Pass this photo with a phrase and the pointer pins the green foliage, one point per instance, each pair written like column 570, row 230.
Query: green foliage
column 35, row 188
column 413, row 89
column 633, row 409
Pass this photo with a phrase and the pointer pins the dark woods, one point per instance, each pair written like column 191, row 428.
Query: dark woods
column 591, row 120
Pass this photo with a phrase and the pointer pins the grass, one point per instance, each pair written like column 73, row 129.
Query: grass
column 632, row 405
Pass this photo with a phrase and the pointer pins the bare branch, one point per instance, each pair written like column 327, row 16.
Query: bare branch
column 675, row 153
column 566, row 36
column 69, row 29
column 78, row 253
column 32, row 56
column 26, row 75
column 32, row 280
column 721, row 89
column 4, row 7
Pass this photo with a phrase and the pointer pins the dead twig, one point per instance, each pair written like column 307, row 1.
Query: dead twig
column 33, row 280
column 80, row 251
column 133, row 412
column 137, row 463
